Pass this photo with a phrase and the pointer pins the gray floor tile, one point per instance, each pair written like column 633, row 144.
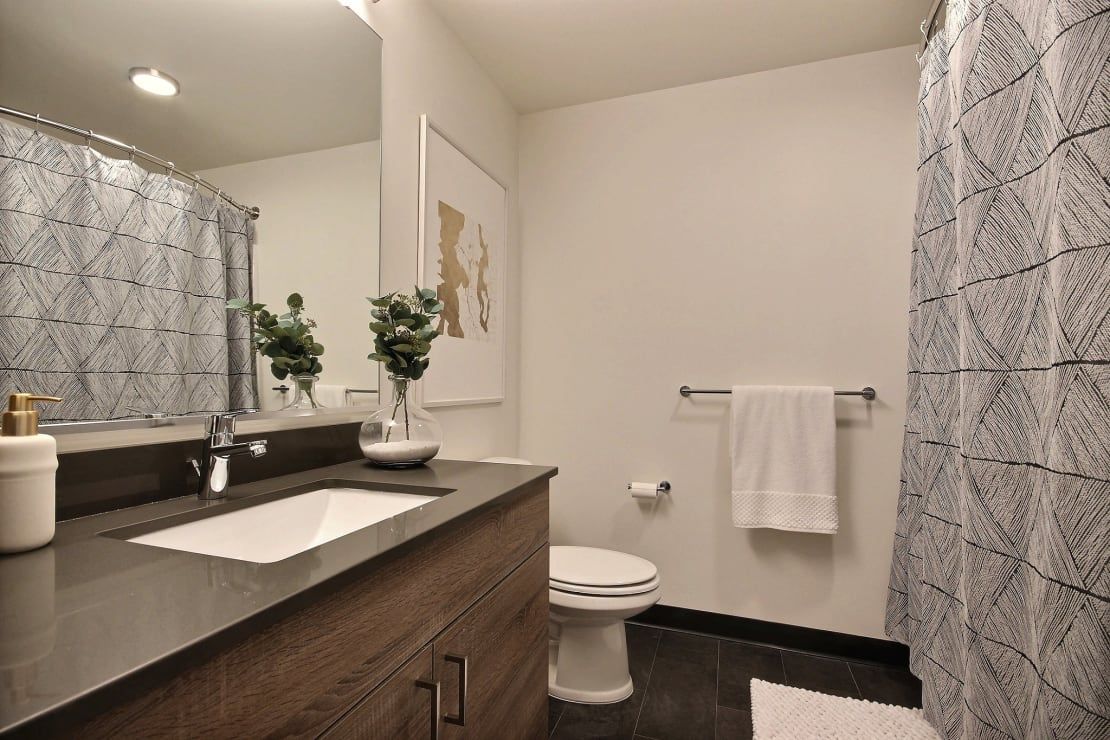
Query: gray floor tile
column 681, row 695
column 740, row 663
column 887, row 684
column 688, row 648
column 696, row 687
column 733, row 724
column 555, row 709
column 827, row 675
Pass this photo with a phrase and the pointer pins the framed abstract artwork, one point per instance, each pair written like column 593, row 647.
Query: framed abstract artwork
column 463, row 248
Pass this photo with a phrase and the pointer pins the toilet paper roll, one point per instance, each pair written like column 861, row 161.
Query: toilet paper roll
column 644, row 490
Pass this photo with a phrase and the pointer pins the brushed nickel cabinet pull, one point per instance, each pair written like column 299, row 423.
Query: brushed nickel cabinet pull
column 463, row 663
column 434, row 713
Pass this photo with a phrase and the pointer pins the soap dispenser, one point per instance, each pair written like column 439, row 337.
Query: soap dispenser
column 28, row 461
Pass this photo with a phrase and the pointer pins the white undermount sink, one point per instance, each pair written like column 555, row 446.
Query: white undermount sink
column 266, row 533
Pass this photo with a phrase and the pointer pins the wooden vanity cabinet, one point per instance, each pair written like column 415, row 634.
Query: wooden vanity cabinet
column 501, row 645
column 362, row 660
column 487, row 667
column 403, row 708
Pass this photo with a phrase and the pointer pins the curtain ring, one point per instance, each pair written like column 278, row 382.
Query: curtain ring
column 131, row 157
column 38, row 120
column 170, row 169
column 924, row 28
column 88, row 138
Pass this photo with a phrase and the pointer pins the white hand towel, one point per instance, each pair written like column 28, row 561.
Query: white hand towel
column 784, row 458
column 332, row 396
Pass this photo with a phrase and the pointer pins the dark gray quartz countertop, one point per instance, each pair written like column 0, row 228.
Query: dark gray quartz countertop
column 91, row 615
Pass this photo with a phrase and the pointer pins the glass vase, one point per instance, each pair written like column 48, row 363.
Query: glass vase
column 400, row 434
column 304, row 393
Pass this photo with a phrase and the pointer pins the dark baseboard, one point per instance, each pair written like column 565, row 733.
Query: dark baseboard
column 792, row 637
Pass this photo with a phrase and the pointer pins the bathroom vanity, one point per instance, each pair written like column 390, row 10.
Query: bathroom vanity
column 430, row 623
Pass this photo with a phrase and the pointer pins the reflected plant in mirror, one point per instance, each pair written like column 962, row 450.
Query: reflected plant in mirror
column 287, row 340
column 401, row 434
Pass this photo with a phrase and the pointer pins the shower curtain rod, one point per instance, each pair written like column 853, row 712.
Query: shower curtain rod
column 927, row 24
column 89, row 136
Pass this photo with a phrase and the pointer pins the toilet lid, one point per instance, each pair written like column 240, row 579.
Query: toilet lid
column 598, row 568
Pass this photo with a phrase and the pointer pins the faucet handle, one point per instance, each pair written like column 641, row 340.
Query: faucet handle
column 224, row 422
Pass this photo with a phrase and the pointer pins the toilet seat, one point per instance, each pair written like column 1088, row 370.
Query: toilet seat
column 628, row 590
column 593, row 570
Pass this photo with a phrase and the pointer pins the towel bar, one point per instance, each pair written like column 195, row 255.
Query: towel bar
column 686, row 391
column 283, row 389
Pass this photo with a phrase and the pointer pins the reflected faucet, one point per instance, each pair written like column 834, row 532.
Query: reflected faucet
column 214, row 465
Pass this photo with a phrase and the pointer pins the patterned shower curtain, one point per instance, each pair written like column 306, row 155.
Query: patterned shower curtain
column 113, row 286
column 999, row 582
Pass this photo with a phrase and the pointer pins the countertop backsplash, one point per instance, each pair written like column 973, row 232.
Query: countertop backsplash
column 103, row 480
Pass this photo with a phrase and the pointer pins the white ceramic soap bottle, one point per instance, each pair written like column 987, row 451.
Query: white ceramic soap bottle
column 28, row 462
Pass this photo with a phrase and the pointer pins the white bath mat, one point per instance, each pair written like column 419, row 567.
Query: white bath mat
column 786, row 713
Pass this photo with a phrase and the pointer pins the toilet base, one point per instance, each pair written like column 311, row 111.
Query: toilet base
column 592, row 660
column 556, row 691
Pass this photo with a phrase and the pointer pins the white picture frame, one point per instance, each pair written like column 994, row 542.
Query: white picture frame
column 462, row 205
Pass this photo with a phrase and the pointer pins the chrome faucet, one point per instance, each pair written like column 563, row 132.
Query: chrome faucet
column 214, row 465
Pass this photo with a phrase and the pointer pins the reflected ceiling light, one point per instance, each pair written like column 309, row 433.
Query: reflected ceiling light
column 153, row 81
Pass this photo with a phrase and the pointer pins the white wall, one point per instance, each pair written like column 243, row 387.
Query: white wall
column 426, row 69
column 317, row 235
column 747, row 230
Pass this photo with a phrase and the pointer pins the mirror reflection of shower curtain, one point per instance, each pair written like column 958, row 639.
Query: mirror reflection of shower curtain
column 999, row 582
column 113, row 286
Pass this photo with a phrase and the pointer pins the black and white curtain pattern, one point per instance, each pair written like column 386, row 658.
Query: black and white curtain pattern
column 113, row 286
column 999, row 582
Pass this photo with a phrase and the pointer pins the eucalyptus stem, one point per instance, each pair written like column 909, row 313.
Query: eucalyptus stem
column 408, row 434
column 306, row 387
column 393, row 417
column 402, row 397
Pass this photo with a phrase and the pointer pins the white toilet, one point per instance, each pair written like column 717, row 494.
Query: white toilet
column 591, row 592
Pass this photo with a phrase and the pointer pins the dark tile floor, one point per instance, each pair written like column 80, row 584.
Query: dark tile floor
column 694, row 687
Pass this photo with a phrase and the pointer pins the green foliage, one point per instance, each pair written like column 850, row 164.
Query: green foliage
column 403, row 333
column 286, row 339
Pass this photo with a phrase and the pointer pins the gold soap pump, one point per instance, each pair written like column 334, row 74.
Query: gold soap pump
column 28, row 463
column 21, row 419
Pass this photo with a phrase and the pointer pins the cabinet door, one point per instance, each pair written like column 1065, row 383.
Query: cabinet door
column 492, row 662
column 405, row 707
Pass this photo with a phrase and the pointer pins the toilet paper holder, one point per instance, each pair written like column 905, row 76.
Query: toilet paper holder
column 660, row 487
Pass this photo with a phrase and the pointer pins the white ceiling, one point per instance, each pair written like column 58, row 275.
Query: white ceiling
column 550, row 53
column 259, row 78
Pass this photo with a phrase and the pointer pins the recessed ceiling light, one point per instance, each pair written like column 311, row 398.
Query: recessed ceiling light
column 153, row 81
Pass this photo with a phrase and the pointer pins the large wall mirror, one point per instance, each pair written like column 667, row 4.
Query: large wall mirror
column 117, row 267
